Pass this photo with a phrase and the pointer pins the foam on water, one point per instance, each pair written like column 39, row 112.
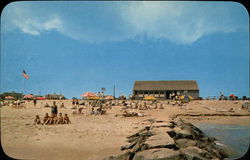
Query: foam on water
column 233, row 138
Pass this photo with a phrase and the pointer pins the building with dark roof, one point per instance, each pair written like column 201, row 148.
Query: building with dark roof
column 163, row 89
column 54, row 96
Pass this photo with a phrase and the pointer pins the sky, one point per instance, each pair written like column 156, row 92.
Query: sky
column 76, row 47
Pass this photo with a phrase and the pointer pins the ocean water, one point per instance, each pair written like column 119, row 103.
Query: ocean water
column 234, row 139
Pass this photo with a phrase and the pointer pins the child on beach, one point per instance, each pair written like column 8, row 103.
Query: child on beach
column 60, row 119
column 37, row 120
column 55, row 120
column 62, row 105
column 50, row 120
column 45, row 118
column 66, row 119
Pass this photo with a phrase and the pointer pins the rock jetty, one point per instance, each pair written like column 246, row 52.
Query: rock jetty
column 169, row 140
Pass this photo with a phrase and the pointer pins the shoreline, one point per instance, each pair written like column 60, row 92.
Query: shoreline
column 243, row 120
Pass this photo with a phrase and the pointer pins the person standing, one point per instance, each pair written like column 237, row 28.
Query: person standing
column 173, row 96
column 221, row 96
column 54, row 109
column 34, row 102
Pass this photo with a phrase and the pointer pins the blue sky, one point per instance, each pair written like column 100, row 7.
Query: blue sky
column 75, row 47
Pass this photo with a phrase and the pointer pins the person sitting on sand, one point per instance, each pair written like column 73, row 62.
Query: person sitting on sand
column 179, row 103
column 55, row 120
column 80, row 110
column 92, row 112
column 46, row 117
column 66, row 119
column 62, row 105
column 231, row 110
column 60, row 119
column 46, row 105
column 37, row 120
column 50, row 120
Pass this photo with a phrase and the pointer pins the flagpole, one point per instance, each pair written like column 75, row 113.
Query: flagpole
column 23, row 87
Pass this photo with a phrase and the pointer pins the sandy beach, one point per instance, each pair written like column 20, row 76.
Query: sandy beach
column 93, row 137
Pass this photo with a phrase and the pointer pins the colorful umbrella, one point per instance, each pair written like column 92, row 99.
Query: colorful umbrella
column 186, row 98
column 88, row 94
column 109, row 97
column 94, row 97
column 149, row 98
column 190, row 97
column 40, row 98
column 9, row 97
column 28, row 96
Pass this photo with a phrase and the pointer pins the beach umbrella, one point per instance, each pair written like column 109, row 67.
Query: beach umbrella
column 109, row 97
column 9, row 97
column 149, row 98
column 28, row 96
column 232, row 95
column 40, row 98
column 186, row 98
column 94, row 97
column 190, row 97
column 88, row 94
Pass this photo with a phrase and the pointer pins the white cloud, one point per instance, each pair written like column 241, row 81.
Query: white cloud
column 34, row 27
column 179, row 22
column 22, row 17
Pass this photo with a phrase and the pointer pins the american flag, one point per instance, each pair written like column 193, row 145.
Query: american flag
column 25, row 75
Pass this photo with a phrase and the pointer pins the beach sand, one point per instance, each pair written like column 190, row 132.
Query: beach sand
column 92, row 137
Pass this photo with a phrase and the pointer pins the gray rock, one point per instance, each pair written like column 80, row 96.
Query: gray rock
column 162, row 124
column 193, row 152
column 160, row 141
column 161, row 130
column 129, row 146
column 125, row 156
column 185, row 142
column 157, row 154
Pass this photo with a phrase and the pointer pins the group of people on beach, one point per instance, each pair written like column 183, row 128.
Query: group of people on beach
column 94, row 107
column 53, row 119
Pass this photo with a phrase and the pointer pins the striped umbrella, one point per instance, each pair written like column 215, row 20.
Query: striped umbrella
column 9, row 97
column 88, row 94
column 28, row 96
column 109, row 97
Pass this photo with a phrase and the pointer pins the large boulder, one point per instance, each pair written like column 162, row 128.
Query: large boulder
column 185, row 142
column 161, row 130
column 162, row 124
column 193, row 152
column 160, row 141
column 125, row 156
column 183, row 133
column 158, row 154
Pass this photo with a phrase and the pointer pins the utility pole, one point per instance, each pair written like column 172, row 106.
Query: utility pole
column 114, row 92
